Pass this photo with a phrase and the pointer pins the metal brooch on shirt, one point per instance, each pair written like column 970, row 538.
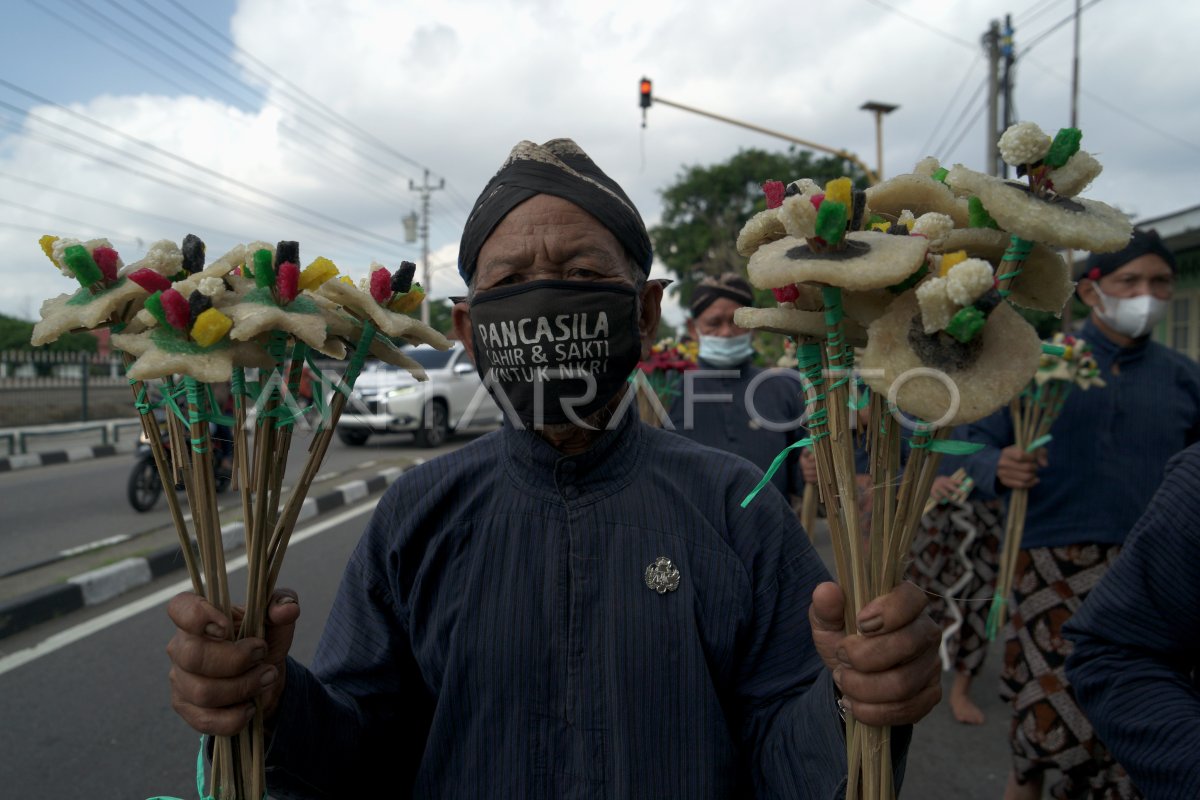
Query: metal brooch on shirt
column 661, row 576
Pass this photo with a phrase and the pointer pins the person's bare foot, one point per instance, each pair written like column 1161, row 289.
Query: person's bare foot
column 961, row 705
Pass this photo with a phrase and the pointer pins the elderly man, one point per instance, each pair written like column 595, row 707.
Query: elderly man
column 1087, row 489
column 730, row 404
column 574, row 605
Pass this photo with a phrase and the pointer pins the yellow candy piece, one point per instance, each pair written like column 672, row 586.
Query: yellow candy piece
column 408, row 301
column 210, row 326
column 950, row 259
column 317, row 273
column 1068, row 353
column 47, row 243
column 346, row 279
column 882, row 227
column 838, row 190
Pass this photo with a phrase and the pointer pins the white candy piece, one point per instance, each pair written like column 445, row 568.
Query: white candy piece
column 969, row 280
column 937, row 309
column 935, row 227
column 798, row 215
column 1024, row 143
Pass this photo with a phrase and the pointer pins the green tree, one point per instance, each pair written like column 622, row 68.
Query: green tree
column 705, row 208
column 15, row 335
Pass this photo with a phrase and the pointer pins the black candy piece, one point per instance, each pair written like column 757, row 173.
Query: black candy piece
column 403, row 276
column 988, row 301
column 193, row 253
column 896, row 229
column 858, row 199
column 791, row 190
column 940, row 350
column 198, row 304
column 286, row 252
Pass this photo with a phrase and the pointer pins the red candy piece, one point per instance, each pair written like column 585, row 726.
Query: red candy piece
column 786, row 294
column 287, row 281
column 774, row 190
column 817, row 199
column 381, row 285
column 106, row 259
column 150, row 280
column 177, row 310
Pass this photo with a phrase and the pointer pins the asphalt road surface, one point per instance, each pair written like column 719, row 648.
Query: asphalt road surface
column 46, row 510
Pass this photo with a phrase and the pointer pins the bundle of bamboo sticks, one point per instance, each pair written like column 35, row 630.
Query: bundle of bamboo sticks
column 1066, row 363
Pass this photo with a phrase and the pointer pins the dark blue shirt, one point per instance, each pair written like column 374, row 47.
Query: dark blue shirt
column 722, row 401
column 1110, row 444
column 494, row 636
column 1137, row 642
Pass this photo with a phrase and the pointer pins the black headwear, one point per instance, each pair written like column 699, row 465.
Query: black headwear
column 1142, row 243
column 560, row 168
column 728, row 284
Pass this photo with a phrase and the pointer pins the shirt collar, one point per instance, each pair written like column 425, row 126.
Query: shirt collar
column 1106, row 350
column 538, row 467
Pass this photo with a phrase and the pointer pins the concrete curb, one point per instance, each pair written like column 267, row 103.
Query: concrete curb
column 100, row 585
column 71, row 454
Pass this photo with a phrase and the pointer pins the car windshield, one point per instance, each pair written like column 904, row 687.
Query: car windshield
column 428, row 357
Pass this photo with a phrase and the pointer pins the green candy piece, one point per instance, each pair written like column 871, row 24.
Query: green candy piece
column 978, row 215
column 83, row 265
column 940, row 174
column 876, row 219
column 154, row 305
column 831, row 221
column 966, row 324
column 264, row 272
column 1065, row 145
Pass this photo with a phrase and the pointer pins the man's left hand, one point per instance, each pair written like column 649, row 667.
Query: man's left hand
column 889, row 672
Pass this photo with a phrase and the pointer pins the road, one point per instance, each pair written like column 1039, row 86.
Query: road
column 50, row 509
column 93, row 718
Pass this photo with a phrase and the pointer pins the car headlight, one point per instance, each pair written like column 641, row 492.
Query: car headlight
column 403, row 390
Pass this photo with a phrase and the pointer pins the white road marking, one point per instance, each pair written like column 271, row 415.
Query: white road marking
column 157, row 599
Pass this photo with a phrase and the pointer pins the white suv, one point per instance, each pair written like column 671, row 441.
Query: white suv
column 387, row 399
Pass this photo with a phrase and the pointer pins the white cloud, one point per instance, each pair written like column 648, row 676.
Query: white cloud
column 455, row 84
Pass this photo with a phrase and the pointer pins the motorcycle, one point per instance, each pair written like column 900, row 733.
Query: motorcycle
column 144, row 485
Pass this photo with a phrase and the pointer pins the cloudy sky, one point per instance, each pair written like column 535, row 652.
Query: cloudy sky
column 272, row 119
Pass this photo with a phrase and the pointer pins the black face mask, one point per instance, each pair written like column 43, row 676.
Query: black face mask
column 555, row 351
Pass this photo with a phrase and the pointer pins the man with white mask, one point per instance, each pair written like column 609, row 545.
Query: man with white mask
column 730, row 404
column 1088, row 488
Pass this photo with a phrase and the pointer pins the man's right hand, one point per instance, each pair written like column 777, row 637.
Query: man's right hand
column 1017, row 469
column 215, row 680
column 808, row 466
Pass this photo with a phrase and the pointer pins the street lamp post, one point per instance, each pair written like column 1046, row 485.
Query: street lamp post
column 880, row 109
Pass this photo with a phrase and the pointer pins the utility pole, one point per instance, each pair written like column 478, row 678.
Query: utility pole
column 1006, row 50
column 426, row 276
column 879, row 109
column 991, row 44
column 1066, row 314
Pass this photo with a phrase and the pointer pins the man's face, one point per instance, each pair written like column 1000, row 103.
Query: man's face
column 1147, row 274
column 717, row 320
column 548, row 238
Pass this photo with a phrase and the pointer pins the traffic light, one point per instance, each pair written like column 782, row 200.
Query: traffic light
column 645, row 89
